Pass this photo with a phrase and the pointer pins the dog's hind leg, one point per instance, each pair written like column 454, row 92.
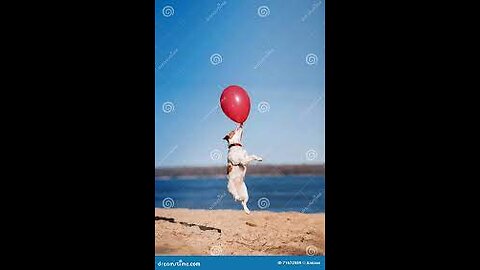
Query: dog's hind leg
column 245, row 208
column 233, row 190
column 243, row 192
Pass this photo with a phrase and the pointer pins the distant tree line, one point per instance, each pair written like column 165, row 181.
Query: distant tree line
column 318, row 169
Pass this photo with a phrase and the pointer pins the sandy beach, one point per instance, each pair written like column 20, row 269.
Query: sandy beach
column 232, row 232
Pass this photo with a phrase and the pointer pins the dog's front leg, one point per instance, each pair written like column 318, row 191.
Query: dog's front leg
column 254, row 157
column 249, row 158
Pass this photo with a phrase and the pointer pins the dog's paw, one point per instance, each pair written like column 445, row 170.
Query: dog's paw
column 247, row 211
column 259, row 159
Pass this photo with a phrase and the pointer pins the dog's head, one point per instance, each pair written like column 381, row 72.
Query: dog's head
column 234, row 136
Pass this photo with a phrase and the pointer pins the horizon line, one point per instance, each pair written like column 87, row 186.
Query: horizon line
column 264, row 164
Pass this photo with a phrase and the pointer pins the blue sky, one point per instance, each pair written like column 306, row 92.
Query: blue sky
column 263, row 50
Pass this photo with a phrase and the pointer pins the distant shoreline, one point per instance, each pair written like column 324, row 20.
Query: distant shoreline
column 221, row 177
column 253, row 170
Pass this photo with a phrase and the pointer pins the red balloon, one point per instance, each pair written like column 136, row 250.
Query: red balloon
column 235, row 103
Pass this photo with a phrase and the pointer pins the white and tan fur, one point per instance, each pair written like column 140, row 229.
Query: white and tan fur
column 237, row 161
